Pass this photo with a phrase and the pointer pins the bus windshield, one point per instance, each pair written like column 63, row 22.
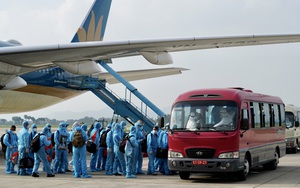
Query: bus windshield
column 289, row 119
column 204, row 116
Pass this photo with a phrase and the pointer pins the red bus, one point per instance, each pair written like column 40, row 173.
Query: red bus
column 225, row 131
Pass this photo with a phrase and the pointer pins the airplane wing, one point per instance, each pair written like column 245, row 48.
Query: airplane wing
column 141, row 74
column 47, row 55
column 78, row 58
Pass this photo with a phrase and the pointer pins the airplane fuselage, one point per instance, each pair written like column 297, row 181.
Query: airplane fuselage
column 44, row 88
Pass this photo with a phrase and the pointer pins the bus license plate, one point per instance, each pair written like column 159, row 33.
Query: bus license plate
column 199, row 162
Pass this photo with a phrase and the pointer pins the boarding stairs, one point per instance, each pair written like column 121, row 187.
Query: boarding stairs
column 124, row 107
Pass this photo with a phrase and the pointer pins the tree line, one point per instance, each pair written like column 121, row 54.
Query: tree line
column 17, row 120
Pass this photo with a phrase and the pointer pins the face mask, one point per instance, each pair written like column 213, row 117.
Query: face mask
column 13, row 131
column 34, row 129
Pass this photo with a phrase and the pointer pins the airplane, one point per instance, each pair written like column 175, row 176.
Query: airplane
column 38, row 76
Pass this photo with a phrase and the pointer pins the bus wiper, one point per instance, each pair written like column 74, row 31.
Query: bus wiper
column 219, row 130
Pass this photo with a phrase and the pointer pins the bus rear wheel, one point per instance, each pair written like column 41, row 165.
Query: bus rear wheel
column 184, row 175
column 242, row 175
column 272, row 165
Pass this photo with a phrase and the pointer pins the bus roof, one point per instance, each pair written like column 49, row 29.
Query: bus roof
column 292, row 108
column 233, row 94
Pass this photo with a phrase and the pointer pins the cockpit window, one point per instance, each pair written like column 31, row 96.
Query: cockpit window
column 204, row 116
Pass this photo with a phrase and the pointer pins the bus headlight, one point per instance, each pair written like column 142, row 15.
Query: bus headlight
column 172, row 154
column 230, row 155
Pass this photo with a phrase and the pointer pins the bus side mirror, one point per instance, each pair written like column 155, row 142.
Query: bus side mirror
column 245, row 124
column 296, row 123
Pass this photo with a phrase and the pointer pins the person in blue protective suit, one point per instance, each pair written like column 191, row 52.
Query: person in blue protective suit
column 119, row 156
column 40, row 155
column 151, row 150
column 123, row 126
column 11, row 141
column 130, row 148
column 139, row 154
column 95, row 138
column 32, row 133
column 79, row 152
column 23, row 146
column 49, row 149
column 163, row 143
column 110, row 152
column 158, row 161
column 102, row 152
column 61, row 148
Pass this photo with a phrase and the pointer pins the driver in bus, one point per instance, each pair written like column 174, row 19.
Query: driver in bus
column 194, row 121
column 227, row 118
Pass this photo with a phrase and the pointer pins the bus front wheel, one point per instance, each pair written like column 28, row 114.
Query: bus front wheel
column 242, row 175
column 184, row 175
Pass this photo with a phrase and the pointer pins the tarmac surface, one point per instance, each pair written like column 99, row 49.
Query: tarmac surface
column 286, row 175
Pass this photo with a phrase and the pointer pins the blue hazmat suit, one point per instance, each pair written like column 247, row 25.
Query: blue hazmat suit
column 32, row 133
column 110, row 152
column 49, row 149
column 23, row 146
column 95, row 138
column 11, row 141
column 102, row 153
column 163, row 143
column 151, row 151
column 61, row 148
column 119, row 156
column 130, row 153
column 158, row 161
column 79, row 155
column 139, row 154
column 40, row 155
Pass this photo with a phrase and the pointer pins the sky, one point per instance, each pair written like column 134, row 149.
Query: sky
column 268, row 69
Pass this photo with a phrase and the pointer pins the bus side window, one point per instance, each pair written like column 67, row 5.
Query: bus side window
column 245, row 120
column 257, row 115
column 252, row 115
column 262, row 115
column 277, row 115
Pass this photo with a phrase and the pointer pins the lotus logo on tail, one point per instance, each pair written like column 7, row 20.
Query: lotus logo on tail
column 93, row 32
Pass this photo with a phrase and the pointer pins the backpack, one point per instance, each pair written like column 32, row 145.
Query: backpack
column 123, row 142
column 2, row 143
column 91, row 147
column 103, row 139
column 35, row 143
column 52, row 139
column 78, row 140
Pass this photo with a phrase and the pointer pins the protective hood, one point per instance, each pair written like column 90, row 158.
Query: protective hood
column 132, row 130
column 45, row 130
column 118, row 127
column 97, row 125
column 123, row 124
column 24, row 125
column 33, row 126
column 84, row 127
column 62, row 126
column 78, row 128
column 49, row 126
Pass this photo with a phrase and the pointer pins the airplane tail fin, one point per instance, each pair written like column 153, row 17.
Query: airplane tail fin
column 94, row 24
